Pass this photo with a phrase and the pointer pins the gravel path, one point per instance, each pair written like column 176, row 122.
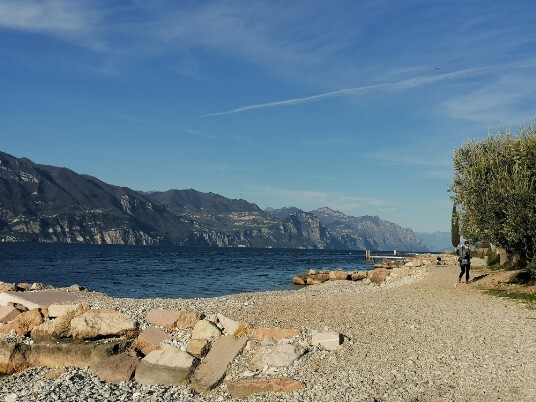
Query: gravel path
column 420, row 339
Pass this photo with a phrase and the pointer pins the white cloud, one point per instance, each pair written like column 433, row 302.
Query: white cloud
column 72, row 21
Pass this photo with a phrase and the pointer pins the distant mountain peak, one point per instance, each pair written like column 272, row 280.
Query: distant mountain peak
column 328, row 211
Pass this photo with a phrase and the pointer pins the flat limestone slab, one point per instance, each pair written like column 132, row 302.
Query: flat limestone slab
column 168, row 366
column 73, row 353
column 213, row 367
column 37, row 299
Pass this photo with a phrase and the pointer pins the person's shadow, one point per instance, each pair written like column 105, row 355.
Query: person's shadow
column 477, row 278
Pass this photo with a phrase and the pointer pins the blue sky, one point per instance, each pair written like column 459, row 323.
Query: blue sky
column 355, row 105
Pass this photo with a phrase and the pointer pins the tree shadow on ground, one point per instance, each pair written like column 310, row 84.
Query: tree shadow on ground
column 523, row 278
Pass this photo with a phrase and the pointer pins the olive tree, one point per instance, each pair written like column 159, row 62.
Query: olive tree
column 494, row 188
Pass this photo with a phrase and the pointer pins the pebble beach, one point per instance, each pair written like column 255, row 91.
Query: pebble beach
column 422, row 338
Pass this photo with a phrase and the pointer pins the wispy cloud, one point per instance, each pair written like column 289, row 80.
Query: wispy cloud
column 72, row 21
column 163, row 125
column 397, row 85
column 505, row 101
column 45, row 16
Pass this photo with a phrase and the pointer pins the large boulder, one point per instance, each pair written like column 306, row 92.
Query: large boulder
column 172, row 319
column 166, row 366
column 338, row 275
column 96, row 324
column 25, row 322
column 116, row 368
column 60, row 327
column 300, row 280
column 7, row 287
column 198, row 347
column 204, row 329
column 13, row 357
column 61, row 310
column 359, row 275
column 378, row 275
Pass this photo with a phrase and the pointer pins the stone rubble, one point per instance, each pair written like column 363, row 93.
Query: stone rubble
column 413, row 337
column 108, row 344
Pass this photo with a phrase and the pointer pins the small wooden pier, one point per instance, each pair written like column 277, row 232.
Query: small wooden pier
column 369, row 257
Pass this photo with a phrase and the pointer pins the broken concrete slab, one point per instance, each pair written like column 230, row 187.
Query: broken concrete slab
column 243, row 388
column 166, row 366
column 37, row 299
column 212, row 369
column 73, row 353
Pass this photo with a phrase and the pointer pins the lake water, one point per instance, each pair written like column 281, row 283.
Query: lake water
column 166, row 272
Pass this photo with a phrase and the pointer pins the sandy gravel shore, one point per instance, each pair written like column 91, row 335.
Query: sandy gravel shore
column 422, row 339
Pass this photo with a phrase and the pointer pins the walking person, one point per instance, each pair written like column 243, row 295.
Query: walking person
column 464, row 258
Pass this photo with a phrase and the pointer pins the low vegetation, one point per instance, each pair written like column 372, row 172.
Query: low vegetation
column 528, row 298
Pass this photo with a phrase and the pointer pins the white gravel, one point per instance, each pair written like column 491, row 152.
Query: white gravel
column 419, row 339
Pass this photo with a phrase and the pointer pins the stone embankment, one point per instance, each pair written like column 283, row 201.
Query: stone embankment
column 385, row 272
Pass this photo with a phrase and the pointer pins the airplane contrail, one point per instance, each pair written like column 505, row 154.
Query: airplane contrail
column 407, row 83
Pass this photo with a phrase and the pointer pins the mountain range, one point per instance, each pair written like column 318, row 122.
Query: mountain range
column 52, row 204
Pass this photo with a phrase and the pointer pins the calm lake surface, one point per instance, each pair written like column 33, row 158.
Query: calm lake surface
column 166, row 272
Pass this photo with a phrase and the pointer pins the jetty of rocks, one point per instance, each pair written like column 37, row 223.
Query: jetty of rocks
column 385, row 272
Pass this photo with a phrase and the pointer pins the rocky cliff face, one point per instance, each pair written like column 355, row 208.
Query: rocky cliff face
column 358, row 233
column 369, row 232
column 51, row 204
